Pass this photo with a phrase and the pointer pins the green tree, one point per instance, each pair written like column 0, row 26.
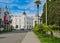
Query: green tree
column 53, row 11
column 43, row 29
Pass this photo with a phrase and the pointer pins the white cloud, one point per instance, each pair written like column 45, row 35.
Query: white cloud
column 18, row 6
column 30, row 6
column 27, row 12
column 40, row 12
column 6, row 1
column 16, row 14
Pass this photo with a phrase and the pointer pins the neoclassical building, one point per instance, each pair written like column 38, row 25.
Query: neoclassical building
column 37, row 20
column 24, row 21
column 1, row 14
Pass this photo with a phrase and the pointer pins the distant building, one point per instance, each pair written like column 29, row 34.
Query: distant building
column 16, row 21
column 5, row 17
column 1, row 14
column 7, row 13
column 24, row 21
column 37, row 20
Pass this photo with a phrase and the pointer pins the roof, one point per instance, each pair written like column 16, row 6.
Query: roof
column 24, row 13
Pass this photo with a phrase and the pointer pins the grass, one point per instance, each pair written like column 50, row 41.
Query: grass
column 47, row 38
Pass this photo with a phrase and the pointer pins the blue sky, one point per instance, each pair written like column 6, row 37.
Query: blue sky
column 17, row 7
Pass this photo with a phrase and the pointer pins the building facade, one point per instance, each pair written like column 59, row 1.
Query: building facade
column 5, row 18
column 1, row 15
column 24, row 21
column 37, row 20
column 16, row 21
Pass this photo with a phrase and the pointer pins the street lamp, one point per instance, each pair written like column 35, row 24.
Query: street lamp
column 46, row 11
column 37, row 2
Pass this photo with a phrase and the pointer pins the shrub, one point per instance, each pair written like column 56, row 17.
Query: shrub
column 16, row 26
column 41, row 28
column 44, row 29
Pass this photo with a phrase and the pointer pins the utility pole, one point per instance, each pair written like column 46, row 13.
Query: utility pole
column 46, row 12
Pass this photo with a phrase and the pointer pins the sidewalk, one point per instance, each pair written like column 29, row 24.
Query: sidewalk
column 31, row 38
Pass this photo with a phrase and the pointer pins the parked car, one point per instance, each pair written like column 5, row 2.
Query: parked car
column 1, row 29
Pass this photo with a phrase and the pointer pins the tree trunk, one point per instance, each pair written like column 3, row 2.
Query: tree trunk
column 51, row 34
column 0, row 24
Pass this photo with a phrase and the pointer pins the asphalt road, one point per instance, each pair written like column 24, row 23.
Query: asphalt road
column 13, row 37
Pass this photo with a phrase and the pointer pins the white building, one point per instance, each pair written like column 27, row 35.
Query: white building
column 16, row 20
column 37, row 20
column 23, row 21
column 1, row 14
column 5, row 18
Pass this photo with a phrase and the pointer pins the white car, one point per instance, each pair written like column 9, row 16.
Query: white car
column 1, row 29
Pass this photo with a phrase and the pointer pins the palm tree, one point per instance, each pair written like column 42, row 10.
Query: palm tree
column 37, row 2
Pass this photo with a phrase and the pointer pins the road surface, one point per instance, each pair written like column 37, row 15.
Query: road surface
column 13, row 37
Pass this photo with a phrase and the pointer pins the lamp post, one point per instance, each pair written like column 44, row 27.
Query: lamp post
column 46, row 11
column 37, row 2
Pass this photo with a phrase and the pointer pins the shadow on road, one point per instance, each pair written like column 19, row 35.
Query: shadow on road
column 2, row 37
column 18, row 31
